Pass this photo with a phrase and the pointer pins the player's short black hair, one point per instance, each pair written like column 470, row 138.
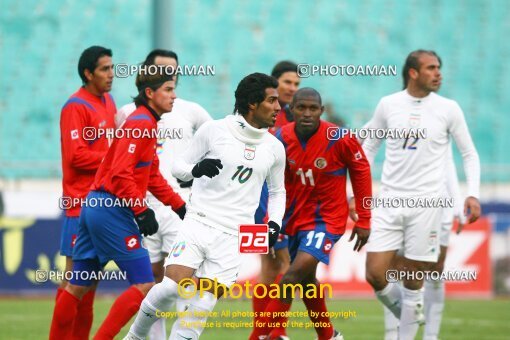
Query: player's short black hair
column 149, row 60
column 88, row 60
column 151, row 80
column 282, row 67
column 413, row 63
column 306, row 92
column 252, row 90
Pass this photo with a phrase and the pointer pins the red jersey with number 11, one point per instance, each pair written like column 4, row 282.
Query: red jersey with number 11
column 315, row 180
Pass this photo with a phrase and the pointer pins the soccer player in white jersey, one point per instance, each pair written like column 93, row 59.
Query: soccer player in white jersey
column 177, row 129
column 434, row 291
column 229, row 160
column 415, row 167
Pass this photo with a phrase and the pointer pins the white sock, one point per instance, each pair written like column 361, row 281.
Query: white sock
column 182, row 304
column 412, row 313
column 160, row 298
column 196, row 314
column 390, row 325
column 434, row 304
column 391, row 297
column 158, row 330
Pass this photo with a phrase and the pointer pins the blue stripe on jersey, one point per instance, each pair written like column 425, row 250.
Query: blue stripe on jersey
column 288, row 213
column 319, row 221
column 140, row 117
column 79, row 101
column 111, row 98
column 278, row 135
column 338, row 172
column 142, row 164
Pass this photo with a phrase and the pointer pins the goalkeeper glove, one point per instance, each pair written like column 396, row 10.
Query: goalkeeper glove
column 273, row 231
column 147, row 222
column 208, row 167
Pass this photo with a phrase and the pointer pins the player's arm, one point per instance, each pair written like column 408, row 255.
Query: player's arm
column 74, row 147
column 200, row 116
column 359, row 171
column 378, row 121
column 127, row 155
column 160, row 188
column 453, row 190
column 276, row 189
column 460, row 132
column 193, row 163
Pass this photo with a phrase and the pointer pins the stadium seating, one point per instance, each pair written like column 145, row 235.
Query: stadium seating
column 40, row 42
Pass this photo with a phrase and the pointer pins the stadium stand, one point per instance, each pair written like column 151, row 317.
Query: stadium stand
column 40, row 47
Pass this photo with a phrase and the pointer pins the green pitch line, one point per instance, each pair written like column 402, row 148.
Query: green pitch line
column 357, row 319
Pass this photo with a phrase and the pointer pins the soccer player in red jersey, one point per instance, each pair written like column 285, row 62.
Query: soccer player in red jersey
column 129, row 169
column 319, row 154
column 274, row 265
column 91, row 107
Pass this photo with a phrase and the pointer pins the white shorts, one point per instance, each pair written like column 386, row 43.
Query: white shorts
column 160, row 244
column 446, row 226
column 415, row 230
column 213, row 253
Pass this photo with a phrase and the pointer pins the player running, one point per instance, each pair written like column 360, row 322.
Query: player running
column 178, row 126
column 229, row 160
column 319, row 154
column 130, row 168
column 91, row 107
column 415, row 167
column 273, row 266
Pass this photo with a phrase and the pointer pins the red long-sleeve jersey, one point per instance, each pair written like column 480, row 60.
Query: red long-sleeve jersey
column 315, row 180
column 82, row 155
column 131, row 166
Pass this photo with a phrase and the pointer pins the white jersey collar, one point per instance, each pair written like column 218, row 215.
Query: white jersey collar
column 243, row 131
column 417, row 100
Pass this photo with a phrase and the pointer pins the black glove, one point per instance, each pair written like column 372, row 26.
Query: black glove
column 181, row 212
column 208, row 167
column 274, row 230
column 147, row 222
column 183, row 184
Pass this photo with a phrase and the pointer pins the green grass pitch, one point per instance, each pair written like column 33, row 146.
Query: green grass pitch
column 27, row 318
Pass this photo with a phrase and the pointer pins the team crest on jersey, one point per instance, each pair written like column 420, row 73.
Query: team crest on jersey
column 432, row 238
column 249, row 151
column 414, row 120
column 320, row 163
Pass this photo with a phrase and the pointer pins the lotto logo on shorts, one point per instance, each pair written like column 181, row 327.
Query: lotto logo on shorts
column 253, row 239
column 132, row 242
column 73, row 240
column 327, row 246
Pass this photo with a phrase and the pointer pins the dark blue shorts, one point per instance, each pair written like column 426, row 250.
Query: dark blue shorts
column 316, row 243
column 283, row 242
column 107, row 233
column 137, row 271
column 68, row 235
